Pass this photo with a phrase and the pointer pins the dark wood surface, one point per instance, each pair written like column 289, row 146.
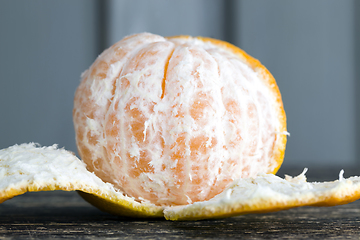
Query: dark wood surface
column 66, row 215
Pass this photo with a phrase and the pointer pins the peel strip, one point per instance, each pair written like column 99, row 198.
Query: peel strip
column 269, row 193
column 30, row 168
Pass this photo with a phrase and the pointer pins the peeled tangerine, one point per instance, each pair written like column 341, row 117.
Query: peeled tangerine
column 181, row 127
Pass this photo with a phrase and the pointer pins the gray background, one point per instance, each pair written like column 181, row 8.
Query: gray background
column 311, row 48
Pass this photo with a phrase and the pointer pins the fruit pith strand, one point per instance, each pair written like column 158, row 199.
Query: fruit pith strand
column 176, row 120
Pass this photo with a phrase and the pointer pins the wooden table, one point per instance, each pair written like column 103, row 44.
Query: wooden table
column 66, row 215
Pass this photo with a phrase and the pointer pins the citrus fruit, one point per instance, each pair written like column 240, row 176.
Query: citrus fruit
column 176, row 120
column 182, row 128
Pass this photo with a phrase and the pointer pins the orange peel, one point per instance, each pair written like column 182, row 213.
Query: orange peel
column 31, row 168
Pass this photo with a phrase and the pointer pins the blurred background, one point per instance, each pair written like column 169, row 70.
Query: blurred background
column 311, row 47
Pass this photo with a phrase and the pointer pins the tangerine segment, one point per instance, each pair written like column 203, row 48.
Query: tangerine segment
column 134, row 140
column 176, row 120
column 93, row 98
